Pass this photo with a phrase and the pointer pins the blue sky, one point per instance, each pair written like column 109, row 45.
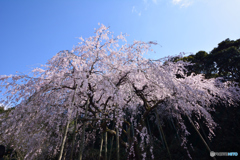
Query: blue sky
column 32, row 31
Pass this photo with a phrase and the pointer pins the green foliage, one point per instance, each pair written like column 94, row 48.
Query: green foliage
column 1, row 109
column 227, row 58
column 222, row 61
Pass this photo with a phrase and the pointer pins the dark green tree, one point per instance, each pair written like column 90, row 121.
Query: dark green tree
column 1, row 109
column 222, row 61
column 227, row 57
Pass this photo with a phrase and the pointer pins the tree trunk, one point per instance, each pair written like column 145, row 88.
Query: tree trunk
column 105, row 145
column 65, row 153
column 204, row 134
column 66, row 129
column 163, row 134
column 64, row 140
column 83, row 134
column 159, row 130
column 200, row 136
column 150, row 133
column 74, row 136
column 175, row 129
column 136, row 150
column 117, row 139
column 111, row 147
column 100, row 154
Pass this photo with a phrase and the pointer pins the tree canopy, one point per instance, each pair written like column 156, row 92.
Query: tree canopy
column 99, row 84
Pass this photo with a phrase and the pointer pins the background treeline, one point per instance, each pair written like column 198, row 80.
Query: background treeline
column 222, row 61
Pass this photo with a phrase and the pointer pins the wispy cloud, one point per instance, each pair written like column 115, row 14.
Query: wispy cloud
column 143, row 6
column 154, row 1
column 146, row 4
column 182, row 3
column 186, row 4
column 134, row 10
column 176, row 1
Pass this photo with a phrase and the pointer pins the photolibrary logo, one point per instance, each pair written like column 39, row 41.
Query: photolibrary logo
column 212, row 153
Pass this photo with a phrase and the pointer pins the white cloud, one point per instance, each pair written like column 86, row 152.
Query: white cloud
column 133, row 9
column 154, row 1
column 146, row 4
column 176, row 1
column 182, row 3
column 145, row 1
column 186, row 4
column 143, row 6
